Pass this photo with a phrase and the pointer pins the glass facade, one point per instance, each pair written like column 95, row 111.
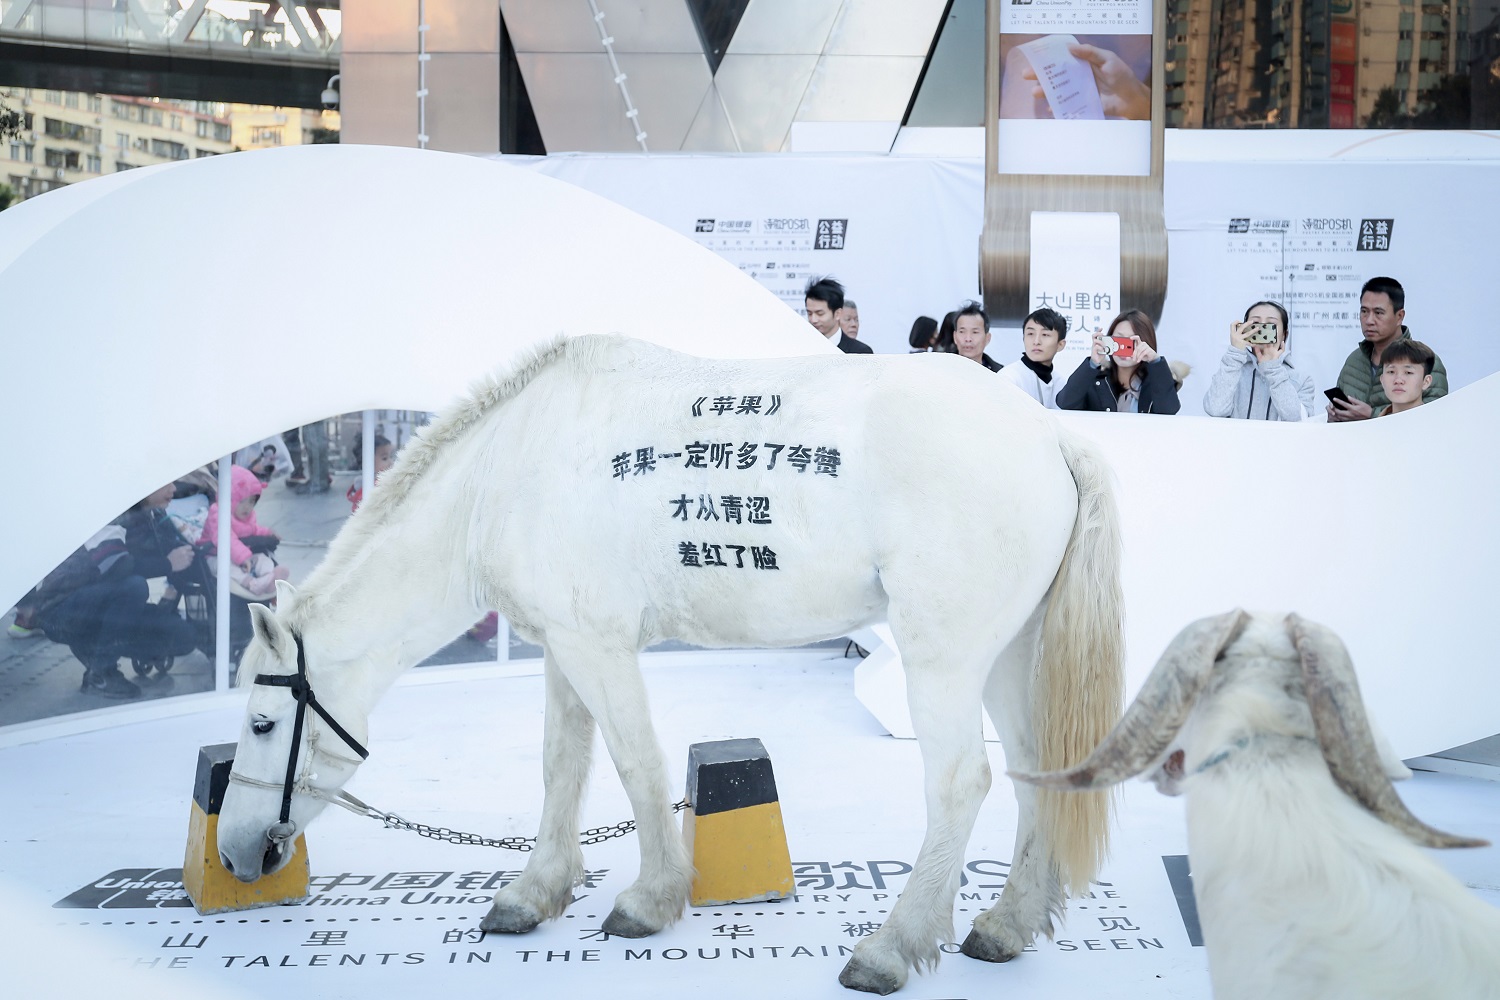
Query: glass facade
column 131, row 614
column 1280, row 64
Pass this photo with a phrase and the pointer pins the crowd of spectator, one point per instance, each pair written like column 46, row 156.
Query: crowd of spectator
column 1125, row 372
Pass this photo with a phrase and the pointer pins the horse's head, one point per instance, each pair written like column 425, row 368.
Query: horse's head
column 302, row 740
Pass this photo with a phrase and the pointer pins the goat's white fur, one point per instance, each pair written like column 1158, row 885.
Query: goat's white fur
column 957, row 505
column 1303, row 894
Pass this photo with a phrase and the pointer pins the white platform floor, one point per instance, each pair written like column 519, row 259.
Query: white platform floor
column 87, row 814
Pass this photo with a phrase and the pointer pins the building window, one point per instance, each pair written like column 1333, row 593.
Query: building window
column 202, row 128
column 168, row 150
column 122, row 140
column 222, row 131
column 176, row 123
column 93, row 164
column 15, row 151
column 266, row 135
column 71, row 132
column 96, row 104
column 28, row 153
column 201, row 153
column 70, row 99
column 65, row 158
column 54, row 97
column 121, row 165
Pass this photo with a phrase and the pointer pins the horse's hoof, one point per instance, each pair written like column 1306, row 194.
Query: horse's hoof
column 986, row 949
column 509, row 919
column 623, row 925
column 859, row 975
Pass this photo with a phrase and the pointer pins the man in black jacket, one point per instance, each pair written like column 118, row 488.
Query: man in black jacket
column 824, row 299
column 97, row 604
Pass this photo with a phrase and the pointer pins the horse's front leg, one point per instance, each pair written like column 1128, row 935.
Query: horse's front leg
column 545, row 888
column 610, row 684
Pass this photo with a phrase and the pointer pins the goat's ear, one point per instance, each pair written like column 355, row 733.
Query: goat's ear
column 1344, row 733
column 270, row 631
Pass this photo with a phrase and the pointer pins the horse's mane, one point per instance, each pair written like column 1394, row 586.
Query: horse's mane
column 418, row 457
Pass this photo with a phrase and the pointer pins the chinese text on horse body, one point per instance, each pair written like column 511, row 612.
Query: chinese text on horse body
column 607, row 494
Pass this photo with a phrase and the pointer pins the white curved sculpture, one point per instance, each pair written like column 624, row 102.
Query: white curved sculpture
column 159, row 318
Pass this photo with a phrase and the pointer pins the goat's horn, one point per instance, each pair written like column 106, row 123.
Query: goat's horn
column 1160, row 708
column 1344, row 733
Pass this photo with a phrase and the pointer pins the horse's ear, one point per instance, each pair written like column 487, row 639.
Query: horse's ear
column 285, row 592
column 268, row 630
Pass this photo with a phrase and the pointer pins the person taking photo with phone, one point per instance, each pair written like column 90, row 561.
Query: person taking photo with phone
column 1255, row 379
column 1124, row 373
column 1382, row 312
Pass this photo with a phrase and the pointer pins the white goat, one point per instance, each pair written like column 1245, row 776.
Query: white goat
column 1305, row 865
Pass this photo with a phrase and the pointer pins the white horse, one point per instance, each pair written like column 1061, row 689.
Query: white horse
column 608, row 493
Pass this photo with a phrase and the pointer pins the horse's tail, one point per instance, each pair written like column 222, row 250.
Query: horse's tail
column 1080, row 686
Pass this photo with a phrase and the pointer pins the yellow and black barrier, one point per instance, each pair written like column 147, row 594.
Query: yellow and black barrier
column 733, row 827
column 208, row 885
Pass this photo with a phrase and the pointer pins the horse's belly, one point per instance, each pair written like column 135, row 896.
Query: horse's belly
column 781, row 607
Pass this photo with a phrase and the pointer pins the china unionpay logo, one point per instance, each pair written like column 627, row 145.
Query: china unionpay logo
column 130, row 889
column 830, row 235
column 1239, row 225
column 1375, row 234
column 704, row 226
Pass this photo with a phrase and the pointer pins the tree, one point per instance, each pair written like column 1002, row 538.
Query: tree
column 324, row 135
column 11, row 122
column 7, row 196
column 1387, row 112
column 1445, row 106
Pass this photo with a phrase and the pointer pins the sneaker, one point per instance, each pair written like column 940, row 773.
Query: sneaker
column 18, row 632
column 109, row 683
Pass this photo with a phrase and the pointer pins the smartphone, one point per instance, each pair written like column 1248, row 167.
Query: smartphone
column 1260, row 333
column 1336, row 395
column 1121, row 347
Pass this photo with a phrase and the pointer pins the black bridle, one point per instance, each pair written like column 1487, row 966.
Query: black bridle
column 302, row 691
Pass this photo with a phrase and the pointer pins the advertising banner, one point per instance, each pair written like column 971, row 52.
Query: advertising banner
column 1075, row 270
column 900, row 233
column 1075, row 87
column 1343, row 58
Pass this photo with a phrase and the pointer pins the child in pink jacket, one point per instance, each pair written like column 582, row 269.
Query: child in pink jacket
column 255, row 573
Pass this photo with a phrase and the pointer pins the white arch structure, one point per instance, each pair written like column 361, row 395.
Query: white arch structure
column 139, row 348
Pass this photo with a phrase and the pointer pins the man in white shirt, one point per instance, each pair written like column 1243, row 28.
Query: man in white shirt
column 824, row 299
column 1043, row 336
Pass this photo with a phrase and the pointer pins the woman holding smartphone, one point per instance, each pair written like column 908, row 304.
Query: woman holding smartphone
column 1255, row 379
column 1124, row 373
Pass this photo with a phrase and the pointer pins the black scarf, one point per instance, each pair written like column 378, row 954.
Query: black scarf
column 1043, row 372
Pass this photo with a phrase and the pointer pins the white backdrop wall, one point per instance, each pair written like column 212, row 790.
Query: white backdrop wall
column 436, row 267
column 910, row 240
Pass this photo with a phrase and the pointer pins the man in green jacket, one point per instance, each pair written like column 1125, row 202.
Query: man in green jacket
column 1382, row 307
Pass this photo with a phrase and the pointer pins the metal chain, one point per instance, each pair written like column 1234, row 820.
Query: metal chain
column 593, row 835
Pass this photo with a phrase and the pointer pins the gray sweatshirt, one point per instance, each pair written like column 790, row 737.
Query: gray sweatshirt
column 1244, row 388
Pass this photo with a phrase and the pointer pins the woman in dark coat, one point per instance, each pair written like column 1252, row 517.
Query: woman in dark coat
column 1140, row 381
